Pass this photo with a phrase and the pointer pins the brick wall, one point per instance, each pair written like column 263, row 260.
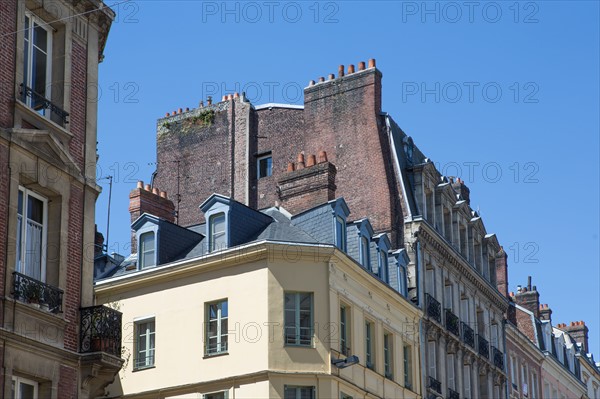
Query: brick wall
column 77, row 114
column 8, row 43
column 4, row 183
column 67, row 383
column 71, row 300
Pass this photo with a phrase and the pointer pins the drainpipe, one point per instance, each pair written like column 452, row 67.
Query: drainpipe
column 505, row 357
column 419, row 262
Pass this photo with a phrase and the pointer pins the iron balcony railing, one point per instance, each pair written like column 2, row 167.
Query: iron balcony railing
column 30, row 290
column 434, row 308
column 498, row 358
column 100, row 330
column 39, row 102
column 452, row 394
column 345, row 350
column 435, row 385
column 468, row 335
column 484, row 347
column 452, row 323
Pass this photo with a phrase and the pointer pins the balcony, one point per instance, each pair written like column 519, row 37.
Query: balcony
column 435, row 385
column 434, row 308
column 345, row 350
column 100, row 330
column 32, row 291
column 452, row 323
column 483, row 346
column 452, row 394
column 468, row 335
column 498, row 358
column 40, row 104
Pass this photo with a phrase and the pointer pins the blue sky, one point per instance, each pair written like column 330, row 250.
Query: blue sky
column 503, row 94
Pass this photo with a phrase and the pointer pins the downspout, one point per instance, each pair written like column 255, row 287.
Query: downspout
column 505, row 357
column 418, row 262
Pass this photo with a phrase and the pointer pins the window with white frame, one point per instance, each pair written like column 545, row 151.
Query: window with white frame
column 37, row 62
column 450, row 372
column 369, row 344
column 388, row 355
column 364, row 252
column 534, row 382
column 383, row 265
column 407, row 363
column 217, row 314
column 432, row 358
column 216, row 395
column 264, row 165
column 145, row 343
column 448, row 296
column 402, row 278
column 23, row 388
column 340, row 233
column 467, row 381
column 147, row 250
column 299, row 392
column 32, row 226
column 430, row 281
column 217, row 232
column 345, row 330
column 298, row 318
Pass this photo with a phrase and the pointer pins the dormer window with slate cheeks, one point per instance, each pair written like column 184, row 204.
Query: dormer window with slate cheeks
column 359, row 244
column 365, row 257
column 147, row 254
column 402, row 260
column 217, row 236
column 340, row 232
column 380, row 251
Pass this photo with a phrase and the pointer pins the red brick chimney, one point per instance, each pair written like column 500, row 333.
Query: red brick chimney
column 579, row 332
column 305, row 186
column 502, row 272
column 545, row 312
column 529, row 298
column 145, row 199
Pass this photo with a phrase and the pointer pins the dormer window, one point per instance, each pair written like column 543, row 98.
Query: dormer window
column 217, row 237
column 147, row 250
column 340, row 233
column 365, row 260
column 383, row 265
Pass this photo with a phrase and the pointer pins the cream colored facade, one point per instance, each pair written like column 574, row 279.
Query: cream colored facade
column 254, row 279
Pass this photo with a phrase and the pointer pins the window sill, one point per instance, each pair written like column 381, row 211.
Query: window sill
column 215, row 355
column 311, row 346
column 41, row 122
column 143, row 368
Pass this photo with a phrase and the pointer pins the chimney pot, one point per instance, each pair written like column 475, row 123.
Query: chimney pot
column 372, row 63
column 340, row 71
column 201, row 104
column 350, row 69
column 311, row 83
column 331, row 76
column 187, row 109
column 236, row 95
column 180, row 110
column 361, row 66
column 291, row 167
column 312, row 160
column 155, row 191
column 230, row 97
column 300, row 161
column 209, row 100
column 140, row 184
column 147, row 187
column 224, row 98
column 168, row 114
column 322, row 156
column 321, row 79
column 163, row 194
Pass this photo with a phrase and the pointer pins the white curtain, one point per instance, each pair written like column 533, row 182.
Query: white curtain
column 33, row 251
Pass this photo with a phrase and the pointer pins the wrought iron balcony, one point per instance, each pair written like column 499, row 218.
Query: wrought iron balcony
column 484, row 347
column 452, row 323
column 435, row 385
column 30, row 290
column 452, row 394
column 498, row 358
column 434, row 308
column 39, row 102
column 100, row 330
column 468, row 334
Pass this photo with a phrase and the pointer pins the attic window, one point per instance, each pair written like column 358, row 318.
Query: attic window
column 264, row 166
column 340, row 233
column 383, row 265
column 364, row 252
column 218, row 238
column 147, row 250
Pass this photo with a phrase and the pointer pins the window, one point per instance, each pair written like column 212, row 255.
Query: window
column 265, row 166
column 448, row 297
column 345, row 396
column 467, row 380
column 32, row 218
column 23, row 388
column 145, row 344
column 402, row 280
column 431, row 358
column 296, row 392
column 216, row 327
column 370, row 358
column 147, row 250
column 298, row 318
column 407, row 359
column 383, row 266
column 513, row 371
column 450, row 372
column 430, row 281
column 388, row 355
column 534, row 394
column 37, row 64
column 340, row 233
column 216, row 395
column 364, row 252
column 218, row 238
column 345, row 330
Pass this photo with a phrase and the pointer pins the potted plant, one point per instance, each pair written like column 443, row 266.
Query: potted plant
column 33, row 294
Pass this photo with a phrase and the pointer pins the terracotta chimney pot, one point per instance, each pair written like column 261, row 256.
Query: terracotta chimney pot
column 361, row 66
column 340, row 71
column 147, row 187
column 350, row 69
column 322, row 156
column 312, row 161
column 372, row 63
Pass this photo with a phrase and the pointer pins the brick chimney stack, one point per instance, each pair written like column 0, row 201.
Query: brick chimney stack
column 459, row 186
column 529, row 298
column 98, row 242
column 306, row 185
column 145, row 199
column 502, row 272
column 579, row 332
column 545, row 312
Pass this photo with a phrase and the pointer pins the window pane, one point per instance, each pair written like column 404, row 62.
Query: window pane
column 35, row 209
column 20, row 203
column 265, row 167
column 147, row 246
column 217, row 231
column 305, row 302
column 26, row 391
column 40, row 37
